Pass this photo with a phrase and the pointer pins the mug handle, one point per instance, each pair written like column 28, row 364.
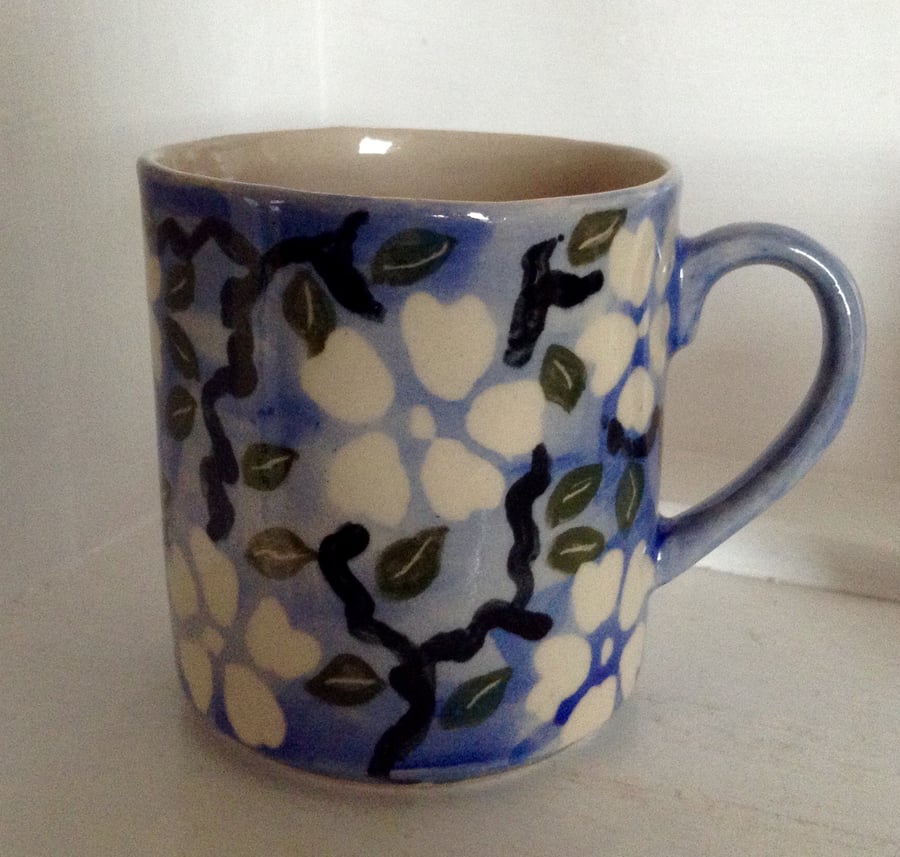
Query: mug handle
column 685, row 538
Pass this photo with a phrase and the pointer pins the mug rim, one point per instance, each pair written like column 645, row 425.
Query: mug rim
column 212, row 162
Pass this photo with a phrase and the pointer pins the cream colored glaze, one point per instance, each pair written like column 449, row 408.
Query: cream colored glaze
column 414, row 164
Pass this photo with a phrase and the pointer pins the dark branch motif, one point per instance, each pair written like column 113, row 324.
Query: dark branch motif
column 543, row 287
column 414, row 677
column 331, row 256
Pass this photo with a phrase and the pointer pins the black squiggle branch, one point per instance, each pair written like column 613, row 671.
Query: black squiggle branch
column 414, row 677
column 543, row 287
column 331, row 256
column 335, row 552
column 526, row 541
column 185, row 245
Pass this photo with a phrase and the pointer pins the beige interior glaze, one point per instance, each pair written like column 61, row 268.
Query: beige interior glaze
column 439, row 165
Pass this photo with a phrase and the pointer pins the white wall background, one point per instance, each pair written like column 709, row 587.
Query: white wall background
column 774, row 111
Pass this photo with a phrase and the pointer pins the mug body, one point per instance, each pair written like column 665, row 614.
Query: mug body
column 409, row 394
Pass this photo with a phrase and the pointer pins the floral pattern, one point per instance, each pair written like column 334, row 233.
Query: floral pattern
column 396, row 548
column 573, row 670
column 203, row 594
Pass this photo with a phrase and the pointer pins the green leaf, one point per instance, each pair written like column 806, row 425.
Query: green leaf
column 278, row 553
column 266, row 466
column 475, row 700
column 346, row 680
column 629, row 495
column 410, row 255
column 178, row 287
column 407, row 567
column 563, row 377
column 309, row 311
column 181, row 350
column 593, row 235
column 573, row 547
column 573, row 493
column 180, row 411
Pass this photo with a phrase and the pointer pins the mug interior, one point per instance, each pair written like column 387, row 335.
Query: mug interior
column 414, row 164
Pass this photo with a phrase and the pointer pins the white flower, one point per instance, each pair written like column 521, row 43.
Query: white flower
column 273, row 646
column 561, row 663
column 182, row 590
column 458, row 482
column 197, row 670
column 366, row 477
column 252, row 709
column 218, row 577
column 592, row 711
column 638, row 581
column 595, row 590
column 508, row 418
column 348, row 379
column 636, row 401
column 658, row 338
column 450, row 345
column 631, row 260
column 607, row 343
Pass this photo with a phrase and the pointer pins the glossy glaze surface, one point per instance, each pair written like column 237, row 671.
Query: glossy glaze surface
column 410, row 448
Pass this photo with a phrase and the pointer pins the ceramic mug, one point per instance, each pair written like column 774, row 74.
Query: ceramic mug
column 410, row 389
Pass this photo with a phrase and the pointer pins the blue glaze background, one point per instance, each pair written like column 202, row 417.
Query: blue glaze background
column 487, row 262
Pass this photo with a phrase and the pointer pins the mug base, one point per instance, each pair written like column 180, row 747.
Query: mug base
column 259, row 763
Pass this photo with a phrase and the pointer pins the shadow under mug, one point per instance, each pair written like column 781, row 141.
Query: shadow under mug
column 410, row 388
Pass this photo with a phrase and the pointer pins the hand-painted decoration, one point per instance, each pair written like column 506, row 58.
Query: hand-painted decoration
column 352, row 486
column 410, row 448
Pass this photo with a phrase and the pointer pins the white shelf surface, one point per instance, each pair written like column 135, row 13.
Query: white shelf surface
column 766, row 721
column 828, row 532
